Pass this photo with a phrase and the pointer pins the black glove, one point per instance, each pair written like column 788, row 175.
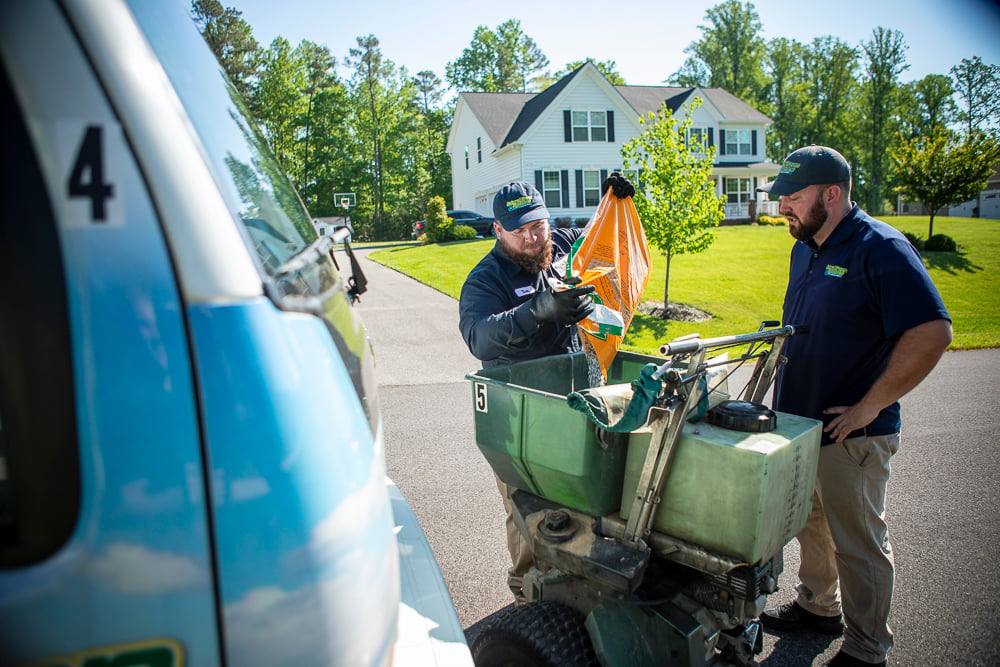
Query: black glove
column 619, row 186
column 564, row 307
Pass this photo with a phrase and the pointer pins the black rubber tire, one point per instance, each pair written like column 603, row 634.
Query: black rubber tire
column 539, row 634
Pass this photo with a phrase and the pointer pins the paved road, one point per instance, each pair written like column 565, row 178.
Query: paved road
column 944, row 495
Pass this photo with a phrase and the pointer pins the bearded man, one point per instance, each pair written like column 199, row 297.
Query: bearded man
column 508, row 312
column 876, row 328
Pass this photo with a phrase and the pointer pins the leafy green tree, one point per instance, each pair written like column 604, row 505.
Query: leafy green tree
column 436, row 122
column 497, row 62
column 928, row 105
column 279, row 102
column 943, row 170
column 231, row 39
column 979, row 86
column 885, row 57
column 677, row 200
column 692, row 74
column 831, row 84
column 732, row 49
column 786, row 98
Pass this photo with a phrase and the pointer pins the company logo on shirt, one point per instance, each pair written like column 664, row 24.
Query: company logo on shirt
column 835, row 271
column 524, row 291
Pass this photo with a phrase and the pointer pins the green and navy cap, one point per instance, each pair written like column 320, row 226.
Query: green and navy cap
column 517, row 204
column 812, row 165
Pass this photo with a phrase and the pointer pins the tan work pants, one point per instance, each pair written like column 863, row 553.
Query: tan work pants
column 518, row 546
column 846, row 559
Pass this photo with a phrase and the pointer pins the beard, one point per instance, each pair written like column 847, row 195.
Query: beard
column 813, row 221
column 534, row 259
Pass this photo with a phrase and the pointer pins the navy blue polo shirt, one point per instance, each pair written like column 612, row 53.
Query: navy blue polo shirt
column 857, row 293
column 494, row 313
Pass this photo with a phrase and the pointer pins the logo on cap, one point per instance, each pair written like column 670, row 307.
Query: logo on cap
column 515, row 204
column 788, row 167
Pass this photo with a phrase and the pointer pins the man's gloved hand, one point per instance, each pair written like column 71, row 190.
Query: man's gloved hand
column 618, row 184
column 563, row 307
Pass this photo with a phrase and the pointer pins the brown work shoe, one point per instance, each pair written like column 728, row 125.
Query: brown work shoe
column 790, row 617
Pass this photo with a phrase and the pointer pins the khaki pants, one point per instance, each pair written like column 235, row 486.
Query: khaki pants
column 519, row 547
column 846, row 559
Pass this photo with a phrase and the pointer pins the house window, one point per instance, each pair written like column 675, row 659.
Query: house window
column 551, row 189
column 590, row 126
column 479, row 148
column 738, row 190
column 697, row 139
column 739, row 142
column 591, row 187
column 466, row 157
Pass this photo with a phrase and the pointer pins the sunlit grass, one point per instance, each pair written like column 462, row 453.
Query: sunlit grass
column 740, row 279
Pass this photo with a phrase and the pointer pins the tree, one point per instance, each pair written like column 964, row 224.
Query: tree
column 830, row 77
column 692, row 74
column 785, row 96
column 497, row 62
column 732, row 49
column 979, row 86
column 928, row 105
column 435, row 124
column 677, row 200
column 886, row 60
column 279, row 103
column 942, row 171
column 231, row 39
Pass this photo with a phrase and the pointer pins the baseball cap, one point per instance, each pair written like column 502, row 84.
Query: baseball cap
column 811, row 165
column 517, row 204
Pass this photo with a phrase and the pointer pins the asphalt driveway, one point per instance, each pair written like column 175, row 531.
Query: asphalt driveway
column 943, row 506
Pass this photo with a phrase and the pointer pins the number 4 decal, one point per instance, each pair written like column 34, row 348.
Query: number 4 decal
column 87, row 176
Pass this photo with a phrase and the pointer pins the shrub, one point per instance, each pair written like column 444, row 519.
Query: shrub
column 914, row 240
column 940, row 243
column 562, row 222
column 462, row 233
column 437, row 225
column 769, row 220
column 580, row 223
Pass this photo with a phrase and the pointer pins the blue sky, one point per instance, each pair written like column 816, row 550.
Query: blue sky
column 647, row 45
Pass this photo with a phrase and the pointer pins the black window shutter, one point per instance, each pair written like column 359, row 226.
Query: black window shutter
column 723, row 185
column 568, row 125
column 722, row 142
column 611, row 125
column 753, row 142
column 604, row 176
column 754, row 189
column 538, row 181
column 641, row 184
column 711, row 136
column 579, row 189
column 564, row 178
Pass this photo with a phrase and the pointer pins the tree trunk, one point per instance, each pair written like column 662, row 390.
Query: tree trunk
column 930, row 228
column 666, row 288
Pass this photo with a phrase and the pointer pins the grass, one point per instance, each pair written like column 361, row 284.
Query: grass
column 741, row 279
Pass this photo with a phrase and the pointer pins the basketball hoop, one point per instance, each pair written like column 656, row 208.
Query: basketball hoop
column 345, row 203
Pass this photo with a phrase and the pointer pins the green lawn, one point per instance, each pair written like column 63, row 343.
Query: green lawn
column 740, row 280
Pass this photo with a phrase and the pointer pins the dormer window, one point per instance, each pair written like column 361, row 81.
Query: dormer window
column 589, row 125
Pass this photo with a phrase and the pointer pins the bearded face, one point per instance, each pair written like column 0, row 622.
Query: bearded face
column 530, row 248
column 805, row 217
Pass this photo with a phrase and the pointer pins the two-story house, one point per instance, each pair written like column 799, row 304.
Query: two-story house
column 567, row 138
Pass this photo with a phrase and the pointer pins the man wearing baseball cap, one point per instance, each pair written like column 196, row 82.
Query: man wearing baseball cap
column 508, row 311
column 876, row 327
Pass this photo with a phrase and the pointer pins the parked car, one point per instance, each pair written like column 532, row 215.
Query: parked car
column 192, row 468
column 482, row 224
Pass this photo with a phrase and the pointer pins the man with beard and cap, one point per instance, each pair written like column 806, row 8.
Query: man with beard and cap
column 508, row 312
column 876, row 327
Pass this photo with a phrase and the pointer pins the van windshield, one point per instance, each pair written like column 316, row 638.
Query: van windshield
column 275, row 222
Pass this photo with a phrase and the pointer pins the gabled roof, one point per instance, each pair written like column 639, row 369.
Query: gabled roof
column 506, row 116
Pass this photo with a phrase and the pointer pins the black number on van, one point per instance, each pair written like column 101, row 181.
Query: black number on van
column 87, row 177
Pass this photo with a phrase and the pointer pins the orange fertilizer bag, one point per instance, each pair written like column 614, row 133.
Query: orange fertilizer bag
column 613, row 256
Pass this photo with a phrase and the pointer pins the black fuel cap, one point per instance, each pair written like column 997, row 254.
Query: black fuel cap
column 743, row 416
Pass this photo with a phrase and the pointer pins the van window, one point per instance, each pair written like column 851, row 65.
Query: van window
column 275, row 222
column 39, row 459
